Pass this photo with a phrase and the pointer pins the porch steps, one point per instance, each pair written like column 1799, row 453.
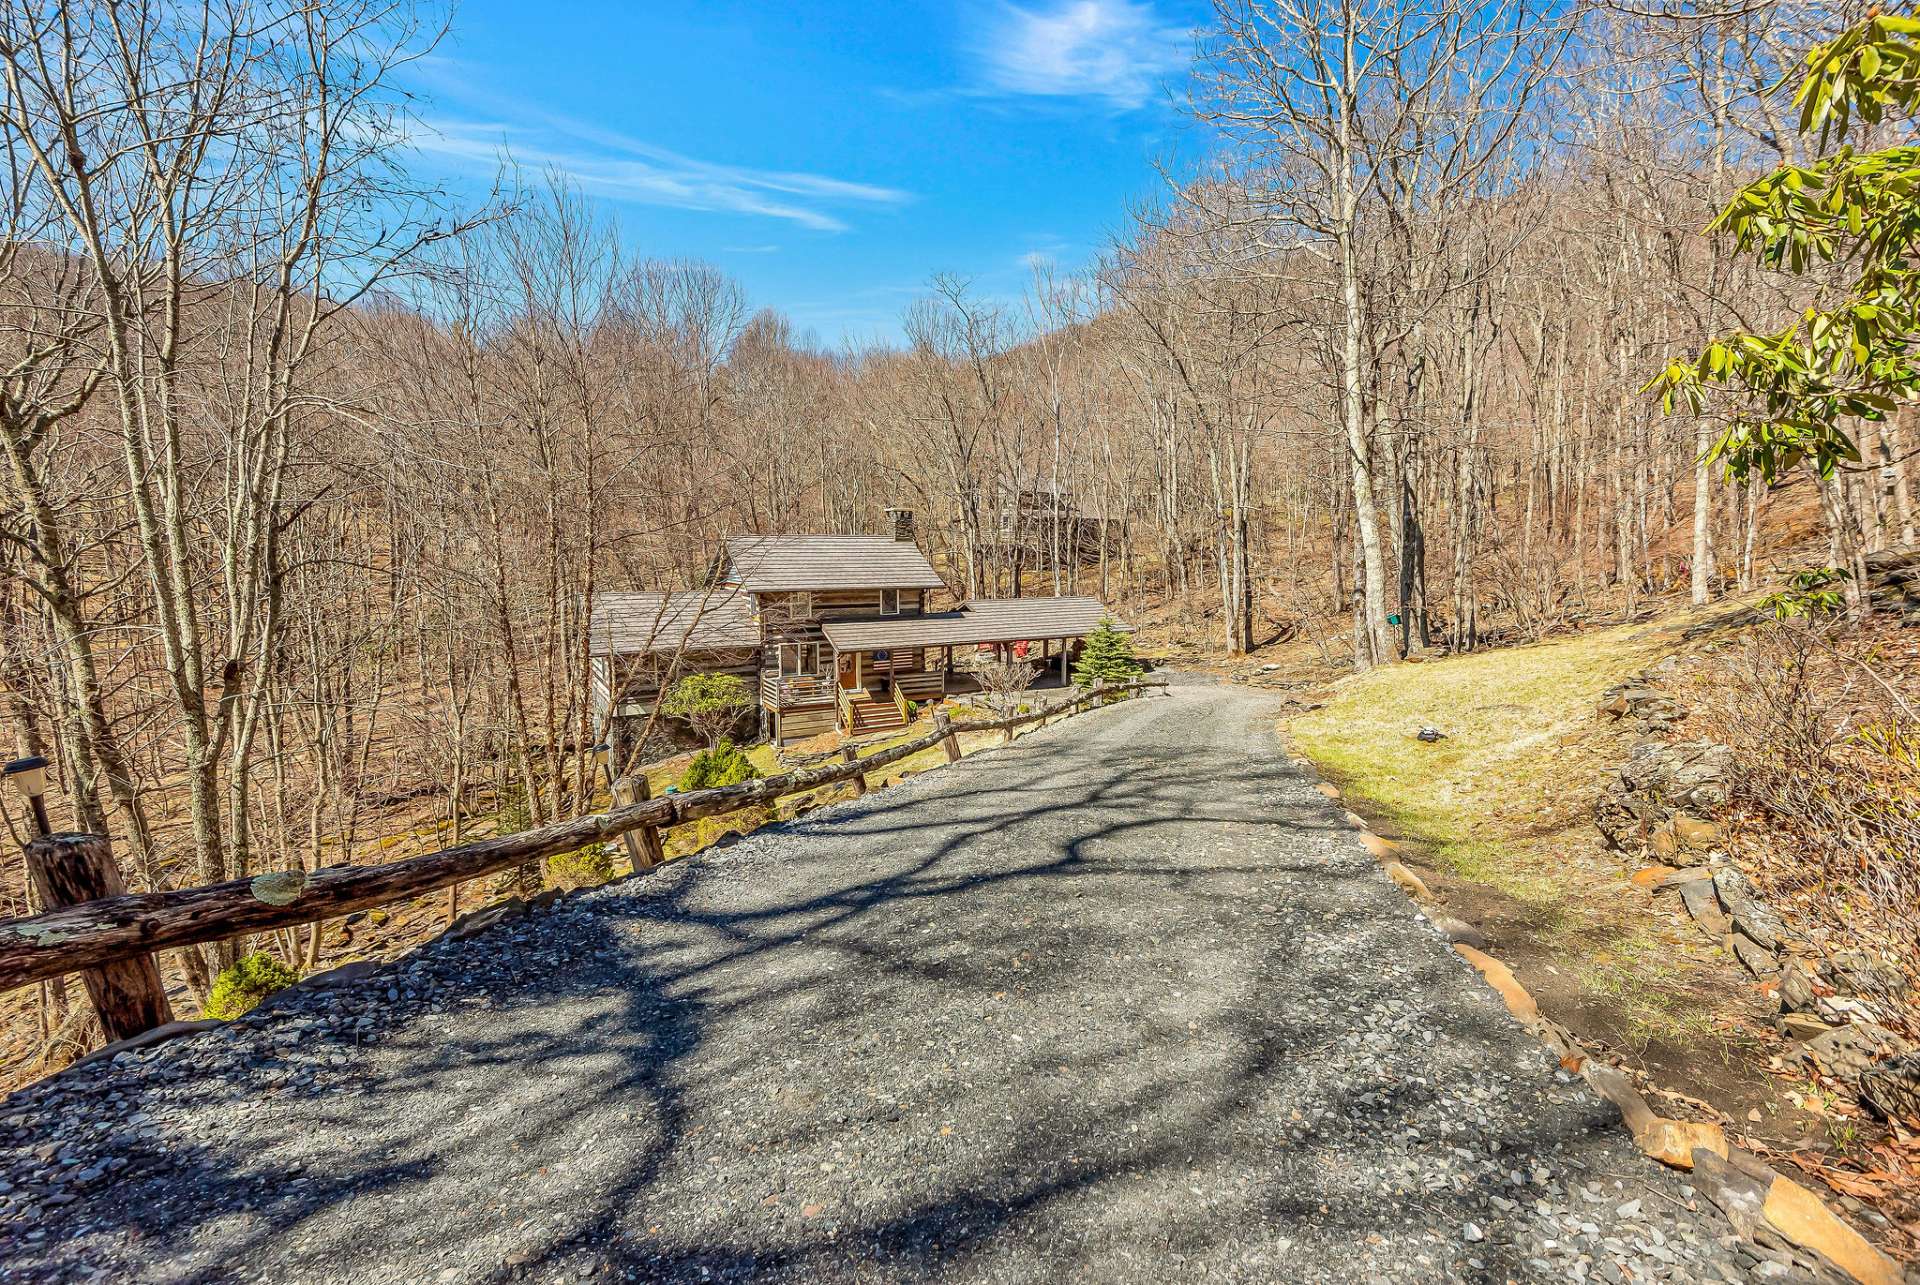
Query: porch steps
column 871, row 716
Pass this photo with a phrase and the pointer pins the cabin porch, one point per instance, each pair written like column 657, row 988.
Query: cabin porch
column 861, row 675
column 868, row 691
column 890, row 662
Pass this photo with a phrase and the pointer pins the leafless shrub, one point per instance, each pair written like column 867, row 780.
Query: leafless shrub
column 1003, row 683
column 1826, row 758
column 1523, row 588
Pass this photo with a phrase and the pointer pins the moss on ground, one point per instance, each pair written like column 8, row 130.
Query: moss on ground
column 1517, row 721
column 245, row 983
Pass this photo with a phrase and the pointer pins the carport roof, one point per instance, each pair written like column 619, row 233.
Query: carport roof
column 985, row 620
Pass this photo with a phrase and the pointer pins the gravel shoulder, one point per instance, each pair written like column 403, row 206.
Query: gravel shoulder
column 1126, row 1000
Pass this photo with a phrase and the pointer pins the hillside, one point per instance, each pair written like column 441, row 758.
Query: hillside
column 1498, row 819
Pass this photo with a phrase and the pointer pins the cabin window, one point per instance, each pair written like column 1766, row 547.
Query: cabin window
column 889, row 602
column 800, row 658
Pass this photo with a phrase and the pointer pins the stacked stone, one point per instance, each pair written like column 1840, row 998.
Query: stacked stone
column 1642, row 706
column 1659, row 798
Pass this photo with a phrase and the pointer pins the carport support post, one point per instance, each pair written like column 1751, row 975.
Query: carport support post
column 69, row 869
column 851, row 754
column 644, row 848
column 952, row 743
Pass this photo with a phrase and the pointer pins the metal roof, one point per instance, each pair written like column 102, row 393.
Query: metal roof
column 628, row 623
column 984, row 620
column 781, row 563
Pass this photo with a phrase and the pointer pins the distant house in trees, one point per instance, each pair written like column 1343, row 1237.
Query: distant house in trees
column 836, row 630
column 1029, row 522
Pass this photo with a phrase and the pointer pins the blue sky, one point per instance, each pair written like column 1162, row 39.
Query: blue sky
column 831, row 155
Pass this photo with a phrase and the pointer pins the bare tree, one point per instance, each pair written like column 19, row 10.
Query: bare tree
column 1004, row 681
column 1329, row 107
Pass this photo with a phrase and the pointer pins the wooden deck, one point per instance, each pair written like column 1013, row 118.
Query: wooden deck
column 791, row 691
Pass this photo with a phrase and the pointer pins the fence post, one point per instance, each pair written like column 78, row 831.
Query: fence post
column 68, row 869
column 952, row 743
column 644, row 849
column 851, row 754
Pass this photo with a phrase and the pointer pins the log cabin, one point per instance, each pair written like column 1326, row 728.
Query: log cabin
column 836, row 632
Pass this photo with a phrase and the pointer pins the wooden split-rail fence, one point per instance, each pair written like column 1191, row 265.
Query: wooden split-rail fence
column 94, row 927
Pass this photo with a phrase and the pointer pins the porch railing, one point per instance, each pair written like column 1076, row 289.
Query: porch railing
column 783, row 691
column 921, row 684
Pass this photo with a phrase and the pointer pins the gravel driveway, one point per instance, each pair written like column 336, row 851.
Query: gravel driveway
column 1124, row 1001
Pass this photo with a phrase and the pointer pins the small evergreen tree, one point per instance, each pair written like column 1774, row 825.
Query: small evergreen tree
column 713, row 703
column 1108, row 655
column 512, row 815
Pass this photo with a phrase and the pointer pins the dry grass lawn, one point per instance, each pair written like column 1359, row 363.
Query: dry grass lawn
column 1500, row 812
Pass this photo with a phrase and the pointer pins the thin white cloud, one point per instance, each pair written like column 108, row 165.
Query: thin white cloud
column 1116, row 51
column 1044, row 249
column 623, row 168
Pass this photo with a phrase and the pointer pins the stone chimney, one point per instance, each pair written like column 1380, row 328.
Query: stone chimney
column 902, row 524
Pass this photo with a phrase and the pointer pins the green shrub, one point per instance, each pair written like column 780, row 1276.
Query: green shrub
column 724, row 764
column 250, row 980
column 711, row 702
column 587, row 867
column 1811, row 593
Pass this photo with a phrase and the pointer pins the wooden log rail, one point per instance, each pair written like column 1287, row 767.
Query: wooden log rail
column 129, row 925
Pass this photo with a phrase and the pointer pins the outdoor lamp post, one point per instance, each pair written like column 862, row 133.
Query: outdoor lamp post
column 29, row 776
column 603, row 759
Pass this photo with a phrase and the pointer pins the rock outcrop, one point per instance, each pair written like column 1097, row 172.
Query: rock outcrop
column 1663, row 795
column 1892, row 1089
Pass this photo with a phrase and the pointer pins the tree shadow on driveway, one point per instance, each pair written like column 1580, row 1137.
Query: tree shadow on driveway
column 1111, row 1012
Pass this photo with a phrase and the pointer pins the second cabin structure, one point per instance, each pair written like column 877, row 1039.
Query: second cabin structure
column 835, row 630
